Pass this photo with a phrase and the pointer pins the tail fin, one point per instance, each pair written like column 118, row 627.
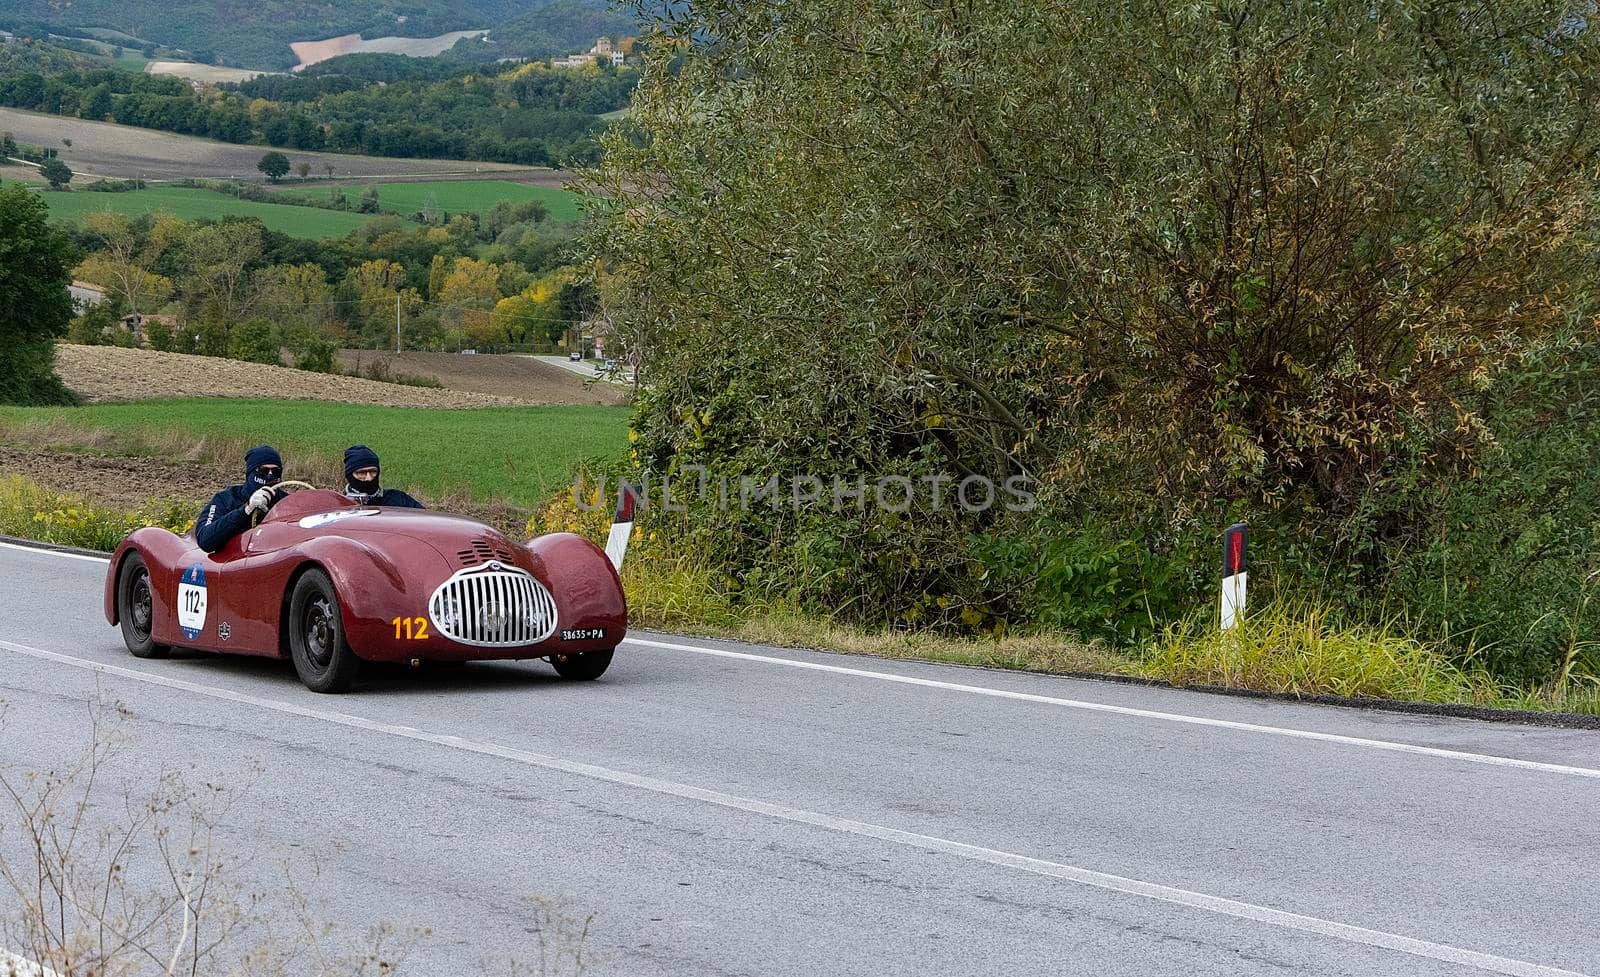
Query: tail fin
column 621, row 525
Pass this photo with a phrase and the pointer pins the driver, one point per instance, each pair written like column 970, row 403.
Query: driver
column 229, row 512
column 361, row 472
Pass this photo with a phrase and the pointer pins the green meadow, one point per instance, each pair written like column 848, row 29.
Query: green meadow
column 190, row 204
column 519, row 455
column 455, row 196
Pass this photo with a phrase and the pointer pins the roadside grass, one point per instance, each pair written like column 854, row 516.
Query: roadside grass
column 303, row 222
column 30, row 512
column 1296, row 650
column 453, row 196
column 518, row 455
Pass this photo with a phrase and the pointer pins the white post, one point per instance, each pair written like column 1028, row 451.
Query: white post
column 1234, row 576
column 397, row 322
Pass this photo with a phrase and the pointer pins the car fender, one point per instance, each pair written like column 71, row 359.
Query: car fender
column 371, row 587
column 162, row 551
column 586, row 587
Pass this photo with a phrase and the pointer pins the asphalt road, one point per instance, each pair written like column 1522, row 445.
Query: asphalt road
column 731, row 809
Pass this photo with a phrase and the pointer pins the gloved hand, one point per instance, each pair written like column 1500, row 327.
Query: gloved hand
column 261, row 501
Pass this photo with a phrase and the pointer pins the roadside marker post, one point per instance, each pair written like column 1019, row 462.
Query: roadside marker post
column 1233, row 575
column 621, row 525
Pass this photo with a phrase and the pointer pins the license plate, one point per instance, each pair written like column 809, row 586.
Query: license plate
column 583, row 634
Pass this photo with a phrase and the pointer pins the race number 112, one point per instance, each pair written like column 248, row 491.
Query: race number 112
column 411, row 629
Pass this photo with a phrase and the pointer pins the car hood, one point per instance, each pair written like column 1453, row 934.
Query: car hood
column 462, row 542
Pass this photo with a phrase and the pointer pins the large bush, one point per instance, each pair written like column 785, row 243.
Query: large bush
column 1179, row 264
column 35, row 306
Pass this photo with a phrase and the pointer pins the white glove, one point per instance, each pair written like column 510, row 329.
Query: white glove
column 261, row 501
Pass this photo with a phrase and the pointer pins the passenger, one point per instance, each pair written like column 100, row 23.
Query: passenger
column 231, row 510
column 361, row 480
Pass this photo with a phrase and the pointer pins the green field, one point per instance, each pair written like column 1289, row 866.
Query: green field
column 520, row 454
column 306, row 222
column 457, row 196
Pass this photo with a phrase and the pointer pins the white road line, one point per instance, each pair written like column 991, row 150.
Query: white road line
column 1391, row 746
column 1171, row 717
column 42, row 552
column 1100, row 880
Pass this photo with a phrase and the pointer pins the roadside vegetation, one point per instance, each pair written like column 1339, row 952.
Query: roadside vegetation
column 1335, row 278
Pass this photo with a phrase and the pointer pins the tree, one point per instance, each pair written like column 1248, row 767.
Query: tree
column 58, row 173
column 35, row 306
column 96, row 103
column 124, row 258
column 1177, row 261
column 304, row 169
column 471, row 284
column 218, row 260
column 274, row 165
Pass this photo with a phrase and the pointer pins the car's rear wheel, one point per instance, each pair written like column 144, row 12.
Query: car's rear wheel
column 322, row 657
column 136, row 609
column 585, row 667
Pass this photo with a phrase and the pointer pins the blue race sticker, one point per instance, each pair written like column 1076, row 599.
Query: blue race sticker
column 192, row 602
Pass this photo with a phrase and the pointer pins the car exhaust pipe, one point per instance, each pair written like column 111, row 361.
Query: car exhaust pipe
column 621, row 525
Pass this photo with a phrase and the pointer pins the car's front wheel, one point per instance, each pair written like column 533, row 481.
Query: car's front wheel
column 585, row 667
column 136, row 609
column 322, row 658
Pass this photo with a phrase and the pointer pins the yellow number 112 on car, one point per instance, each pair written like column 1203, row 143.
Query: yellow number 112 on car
column 411, row 628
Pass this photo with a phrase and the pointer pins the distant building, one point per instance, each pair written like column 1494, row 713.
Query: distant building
column 6, row 37
column 137, row 322
column 85, row 295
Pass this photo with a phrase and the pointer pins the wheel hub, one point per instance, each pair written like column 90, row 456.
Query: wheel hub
column 141, row 605
column 320, row 632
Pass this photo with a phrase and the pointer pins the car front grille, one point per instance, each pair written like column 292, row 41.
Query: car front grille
column 481, row 551
column 493, row 606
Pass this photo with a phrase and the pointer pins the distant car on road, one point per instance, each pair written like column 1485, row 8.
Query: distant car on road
column 575, row 355
column 329, row 584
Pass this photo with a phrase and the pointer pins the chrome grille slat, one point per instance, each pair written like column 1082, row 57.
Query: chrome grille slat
column 493, row 605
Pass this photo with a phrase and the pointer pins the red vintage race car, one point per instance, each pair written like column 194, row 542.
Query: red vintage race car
column 331, row 584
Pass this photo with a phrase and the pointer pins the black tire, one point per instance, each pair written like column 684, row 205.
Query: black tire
column 136, row 609
column 585, row 667
column 322, row 657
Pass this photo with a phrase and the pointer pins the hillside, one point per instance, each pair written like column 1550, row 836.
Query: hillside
column 105, row 149
column 257, row 33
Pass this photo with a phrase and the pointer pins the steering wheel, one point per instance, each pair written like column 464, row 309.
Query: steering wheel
column 285, row 488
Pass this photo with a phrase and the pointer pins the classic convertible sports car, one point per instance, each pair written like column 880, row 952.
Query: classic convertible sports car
column 331, row 584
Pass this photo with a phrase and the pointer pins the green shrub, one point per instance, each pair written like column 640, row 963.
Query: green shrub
column 254, row 342
column 317, row 356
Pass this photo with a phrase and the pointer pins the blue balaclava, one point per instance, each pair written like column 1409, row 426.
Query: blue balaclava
column 357, row 457
column 261, row 454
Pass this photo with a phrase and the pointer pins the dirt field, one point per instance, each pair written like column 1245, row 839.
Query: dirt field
column 312, row 52
column 102, row 374
column 104, row 149
column 508, row 376
column 202, row 72
column 10, row 172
